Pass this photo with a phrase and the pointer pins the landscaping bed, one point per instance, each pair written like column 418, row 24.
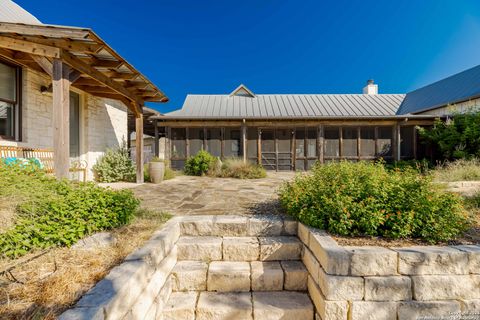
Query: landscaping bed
column 42, row 269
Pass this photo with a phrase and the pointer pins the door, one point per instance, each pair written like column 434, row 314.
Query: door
column 268, row 150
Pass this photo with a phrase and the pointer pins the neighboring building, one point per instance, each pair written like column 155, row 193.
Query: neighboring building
column 64, row 88
column 292, row 131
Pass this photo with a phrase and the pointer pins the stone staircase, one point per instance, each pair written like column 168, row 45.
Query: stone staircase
column 240, row 273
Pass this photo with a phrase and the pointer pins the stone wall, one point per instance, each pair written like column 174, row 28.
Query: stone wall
column 103, row 122
column 381, row 283
column 139, row 287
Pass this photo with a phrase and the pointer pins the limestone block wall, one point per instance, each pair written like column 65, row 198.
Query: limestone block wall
column 103, row 122
column 139, row 287
column 380, row 283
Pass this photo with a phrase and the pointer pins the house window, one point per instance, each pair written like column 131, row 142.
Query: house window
column 9, row 102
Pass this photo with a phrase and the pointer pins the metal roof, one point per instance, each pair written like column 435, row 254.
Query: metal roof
column 460, row 87
column 12, row 12
column 281, row 106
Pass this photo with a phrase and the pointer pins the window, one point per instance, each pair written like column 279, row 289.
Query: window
column 9, row 102
column 74, row 125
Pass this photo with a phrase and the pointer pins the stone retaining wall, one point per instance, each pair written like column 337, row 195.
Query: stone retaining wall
column 381, row 283
column 139, row 287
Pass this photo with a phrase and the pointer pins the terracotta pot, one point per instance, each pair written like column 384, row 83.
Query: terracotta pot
column 156, row 170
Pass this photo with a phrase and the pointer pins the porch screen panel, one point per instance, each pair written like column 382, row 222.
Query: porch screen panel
column 423, row 151
column 252, row 145
column 367, row 142
column 284, row 151
column 349, row 145
column 8, row 94
column 233, row 143
column 311, row 143
column 384, row 142
column 300, row 149
column 178, row 152
column 332, row 142
column 195, row 136
column 214, row 141
column 406, row 141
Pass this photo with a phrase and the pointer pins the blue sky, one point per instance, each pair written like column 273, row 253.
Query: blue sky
column 275, row 46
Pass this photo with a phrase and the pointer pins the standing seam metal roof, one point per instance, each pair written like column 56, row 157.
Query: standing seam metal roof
column 288, row 106
column 12, row 12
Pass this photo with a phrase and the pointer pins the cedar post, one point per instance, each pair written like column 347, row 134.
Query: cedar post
column 61, row 118
column 139, row 146
column 244, row 141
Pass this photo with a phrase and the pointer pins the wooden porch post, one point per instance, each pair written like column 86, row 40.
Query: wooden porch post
column 61, row 118
column 139, row 146
column 244, row 141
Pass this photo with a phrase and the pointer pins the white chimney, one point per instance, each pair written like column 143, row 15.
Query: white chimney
column 370, row 88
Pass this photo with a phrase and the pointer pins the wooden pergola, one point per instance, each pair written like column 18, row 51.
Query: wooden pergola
column 77, row 57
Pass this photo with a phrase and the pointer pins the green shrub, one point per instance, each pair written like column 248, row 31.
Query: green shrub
column 455, row 138
column 236, row 168
column 57, row 213
column 169, row 173
column 367, row 199
column 199, row 164
column 115, row 165
column 459, row 170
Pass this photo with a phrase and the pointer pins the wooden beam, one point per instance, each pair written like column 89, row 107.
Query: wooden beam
column 84, row 68
column 44, row 31
column 121, row 75
column 66, row 44
column 106, row 63
column 29, row 47
column 61, row 119
column 139, row 146
column 44, row 63
column 74, row 76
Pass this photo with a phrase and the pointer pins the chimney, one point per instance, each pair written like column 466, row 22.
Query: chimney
column 370, row 88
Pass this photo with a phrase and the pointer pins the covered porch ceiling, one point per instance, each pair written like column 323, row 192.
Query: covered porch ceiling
column 95, row 67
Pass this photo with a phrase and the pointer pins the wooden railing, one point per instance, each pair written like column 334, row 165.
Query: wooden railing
column 45, row 156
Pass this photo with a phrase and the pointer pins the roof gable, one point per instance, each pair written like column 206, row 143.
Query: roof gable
column 242, row 91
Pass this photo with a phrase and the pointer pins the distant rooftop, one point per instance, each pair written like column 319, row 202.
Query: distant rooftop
column 12, row 12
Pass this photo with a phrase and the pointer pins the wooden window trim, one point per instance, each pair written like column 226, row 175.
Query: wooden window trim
column 17, row 129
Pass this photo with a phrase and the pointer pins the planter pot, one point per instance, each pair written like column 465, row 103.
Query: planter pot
column 156, row 171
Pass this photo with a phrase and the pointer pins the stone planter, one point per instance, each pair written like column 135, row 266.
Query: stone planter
column 156, row 170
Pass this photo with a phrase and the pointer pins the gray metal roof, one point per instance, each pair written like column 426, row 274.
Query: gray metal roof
column 457, row 88
column 12, row 12
column 288, row 106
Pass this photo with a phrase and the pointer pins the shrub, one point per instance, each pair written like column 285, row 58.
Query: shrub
column 236, row 168
column 169, row 173
column 455, row 138
column 199, row 164
column 459, row 170
column 58, row 213
column 367, row 199
column 115, row 165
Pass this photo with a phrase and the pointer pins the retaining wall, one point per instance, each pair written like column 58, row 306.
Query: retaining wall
column 390, row 283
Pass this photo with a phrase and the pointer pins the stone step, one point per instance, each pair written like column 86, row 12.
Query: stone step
column 180, row 305
column 206, row 248
column 230, row 276
column 273, row 305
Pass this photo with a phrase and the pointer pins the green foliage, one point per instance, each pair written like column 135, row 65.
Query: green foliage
column 367, row 199
column 199, row 164
column 57, row 213
column 456, row 138
column 459, row 170
column 115, row 165
column 169, row 173
column 236, row 168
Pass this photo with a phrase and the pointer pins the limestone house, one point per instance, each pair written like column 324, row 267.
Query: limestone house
column 292, row 131
column 65, row 89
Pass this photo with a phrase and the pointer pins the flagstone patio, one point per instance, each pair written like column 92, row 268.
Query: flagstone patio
column 187, row 195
